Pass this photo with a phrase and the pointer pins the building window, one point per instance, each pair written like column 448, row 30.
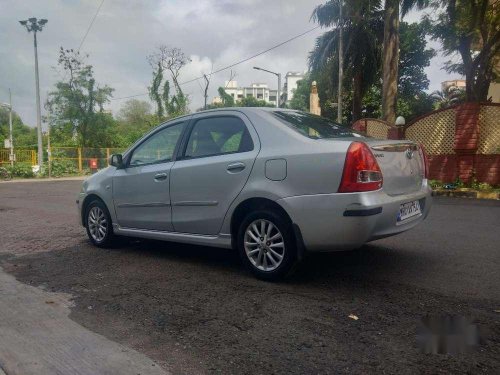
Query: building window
column 259, row 96
column 249, row 95
column 240, row 96
column 272, row 98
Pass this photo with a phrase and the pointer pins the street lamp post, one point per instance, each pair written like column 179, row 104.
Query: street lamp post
column 279, row 83
column 34, row 25
column 11, row 140
column 341, row 68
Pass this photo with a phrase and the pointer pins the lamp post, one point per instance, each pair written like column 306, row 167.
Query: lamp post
column 279, row 83
column 341, row 67
column 34, row 25
column 11, row 141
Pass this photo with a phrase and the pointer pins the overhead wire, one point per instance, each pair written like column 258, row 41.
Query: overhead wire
column 233, row 64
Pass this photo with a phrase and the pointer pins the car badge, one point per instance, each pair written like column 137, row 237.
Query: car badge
column 409, row 153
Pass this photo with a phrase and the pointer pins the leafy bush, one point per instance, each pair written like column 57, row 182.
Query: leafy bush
column 435, row 184
column 21, row 170
column 483, row 186
column 61, row 168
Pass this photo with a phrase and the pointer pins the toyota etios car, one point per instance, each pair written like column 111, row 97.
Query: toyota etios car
column 270, row 183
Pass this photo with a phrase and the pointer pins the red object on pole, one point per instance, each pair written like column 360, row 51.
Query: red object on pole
column 93, row 164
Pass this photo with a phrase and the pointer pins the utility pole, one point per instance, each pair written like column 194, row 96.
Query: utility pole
column 49, row 151
column 279, row 83
column 341, row 67
column 34, row 25
column 11, row 144
column 11, row 139
column 279, row 91
column 207, row 82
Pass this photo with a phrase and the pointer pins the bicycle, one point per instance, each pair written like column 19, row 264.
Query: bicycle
column 5, row 175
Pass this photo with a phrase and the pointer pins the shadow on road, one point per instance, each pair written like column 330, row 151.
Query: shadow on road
column 366, row 263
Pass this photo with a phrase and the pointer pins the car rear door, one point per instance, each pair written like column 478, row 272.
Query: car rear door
column 217, row 157
column 141, row 191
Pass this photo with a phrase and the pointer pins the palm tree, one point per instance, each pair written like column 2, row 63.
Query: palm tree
column 362, row 25
column 390, row 60
column 451, row 95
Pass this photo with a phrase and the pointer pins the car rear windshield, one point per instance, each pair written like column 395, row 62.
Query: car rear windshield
column 313, row 126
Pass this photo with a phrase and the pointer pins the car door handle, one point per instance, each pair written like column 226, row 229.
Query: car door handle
column 160, row 176
column 236, row 167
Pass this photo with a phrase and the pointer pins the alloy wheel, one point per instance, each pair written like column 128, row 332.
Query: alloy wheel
column 98, row 225
column 264, row 245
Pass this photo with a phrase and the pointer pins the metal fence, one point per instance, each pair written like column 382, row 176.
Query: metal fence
column 82, row 157
column 79, row 157
column 27, row 157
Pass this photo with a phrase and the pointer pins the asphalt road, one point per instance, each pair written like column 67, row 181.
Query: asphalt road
column 195, row 310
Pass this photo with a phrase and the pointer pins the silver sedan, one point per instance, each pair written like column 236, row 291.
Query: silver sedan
column 272, row 184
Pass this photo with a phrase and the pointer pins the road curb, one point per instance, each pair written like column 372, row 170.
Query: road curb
column 72, row 178
column 466, row 194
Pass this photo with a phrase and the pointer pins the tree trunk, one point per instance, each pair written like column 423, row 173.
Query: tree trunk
column 390, row 61
column 357, row 96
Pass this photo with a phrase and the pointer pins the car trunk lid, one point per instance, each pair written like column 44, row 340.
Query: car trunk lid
column 402, row 165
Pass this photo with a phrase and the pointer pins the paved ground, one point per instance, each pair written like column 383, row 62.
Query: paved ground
column 195, row 310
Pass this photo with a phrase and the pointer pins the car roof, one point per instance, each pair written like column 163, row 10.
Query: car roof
column 245, row 109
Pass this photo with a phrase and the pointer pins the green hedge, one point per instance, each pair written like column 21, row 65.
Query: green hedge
column 21, row 170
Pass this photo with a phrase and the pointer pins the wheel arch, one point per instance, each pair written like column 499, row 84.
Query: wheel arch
column 89, row 198
column 249, row 205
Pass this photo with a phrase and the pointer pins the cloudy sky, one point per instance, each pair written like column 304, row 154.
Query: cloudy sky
column 212, row 32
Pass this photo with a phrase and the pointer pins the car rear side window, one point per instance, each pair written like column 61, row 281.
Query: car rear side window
column 218, row 135
column 313, row 126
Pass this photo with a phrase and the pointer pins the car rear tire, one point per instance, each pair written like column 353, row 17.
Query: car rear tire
column 266, row 244
column 98, row 224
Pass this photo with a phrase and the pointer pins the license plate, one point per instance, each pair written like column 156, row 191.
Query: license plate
column 408, row 210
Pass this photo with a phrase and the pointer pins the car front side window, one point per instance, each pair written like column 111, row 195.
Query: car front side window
column 159, row 148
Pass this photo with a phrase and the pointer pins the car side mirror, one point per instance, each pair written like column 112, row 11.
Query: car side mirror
column 116, row 160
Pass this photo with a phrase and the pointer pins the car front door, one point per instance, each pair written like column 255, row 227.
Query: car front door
column 141, row 190
column 213, row 168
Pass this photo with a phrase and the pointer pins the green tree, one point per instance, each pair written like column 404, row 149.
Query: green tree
column 251, row 101
column 168, row 104
column 414, row 57
column 134, row 120
column 471, row 29
column 451, row 95
column 76, row 106
column 390, row 57
column 301, row 94
column 23, row 135
column 227, row 100
column 362, row 34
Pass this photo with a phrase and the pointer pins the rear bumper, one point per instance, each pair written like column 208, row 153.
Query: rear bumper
column 342, row 221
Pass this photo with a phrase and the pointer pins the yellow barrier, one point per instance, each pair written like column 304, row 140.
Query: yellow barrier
column 22, row 156
column 78, row 155
column 81, row 156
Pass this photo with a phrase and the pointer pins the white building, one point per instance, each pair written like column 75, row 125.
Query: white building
column 291, row 79
column 259, row 91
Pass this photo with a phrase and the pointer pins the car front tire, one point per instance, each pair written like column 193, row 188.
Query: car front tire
column 98, row 224
column 266, row 244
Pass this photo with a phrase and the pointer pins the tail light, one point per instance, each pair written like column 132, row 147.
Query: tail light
column 423, row 157
column 361, row 170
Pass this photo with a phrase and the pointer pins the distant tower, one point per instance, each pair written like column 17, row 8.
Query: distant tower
column 314, row 107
